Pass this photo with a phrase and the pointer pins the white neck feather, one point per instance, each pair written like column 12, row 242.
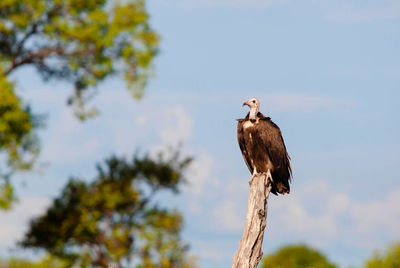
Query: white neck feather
column 253, row 113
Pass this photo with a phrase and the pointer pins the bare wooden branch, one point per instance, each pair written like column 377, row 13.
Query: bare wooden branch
column 249, row 254
column 32, row 57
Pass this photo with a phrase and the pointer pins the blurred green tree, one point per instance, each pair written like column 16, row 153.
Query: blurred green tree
column 388, row 259
column 116, row 219
column 47, row 262
column 296, row 256
column 81, row 42
column 18, row 142
column 50, row 261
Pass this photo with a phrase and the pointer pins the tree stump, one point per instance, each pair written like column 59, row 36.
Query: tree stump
column 249, row 254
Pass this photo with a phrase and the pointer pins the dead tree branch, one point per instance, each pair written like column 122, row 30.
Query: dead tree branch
column 249, row 253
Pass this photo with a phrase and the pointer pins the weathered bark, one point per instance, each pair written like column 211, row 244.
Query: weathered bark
column 249, row 253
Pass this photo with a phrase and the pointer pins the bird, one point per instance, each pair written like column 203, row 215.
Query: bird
column 263, row 147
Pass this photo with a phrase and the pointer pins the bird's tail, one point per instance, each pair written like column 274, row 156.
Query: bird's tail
column 282, row 188
column 280, row 185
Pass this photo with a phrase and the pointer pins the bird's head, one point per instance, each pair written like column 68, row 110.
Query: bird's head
column 253, row 103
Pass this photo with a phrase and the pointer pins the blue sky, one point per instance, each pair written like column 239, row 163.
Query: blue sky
column 327, row 72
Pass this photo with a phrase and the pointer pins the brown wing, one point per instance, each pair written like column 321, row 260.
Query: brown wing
column 242, row 144
column 272, row 139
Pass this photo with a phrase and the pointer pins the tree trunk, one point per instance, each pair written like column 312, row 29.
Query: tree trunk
column 249, row 253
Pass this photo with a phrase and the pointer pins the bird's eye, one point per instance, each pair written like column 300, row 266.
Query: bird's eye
column 254, row 101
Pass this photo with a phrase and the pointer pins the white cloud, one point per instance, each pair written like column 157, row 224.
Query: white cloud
column 230, row 210
column 64, row 144
column 213, row 249
column 141, row 120
column 237, row 187
column 199, row 174
column 174, row 129
column 169, row 125
column 377, row 214
column 195, row 208
column 316, row 212
column 177, row 126
column 295, row 217
column 14, row 223
column 227, row 217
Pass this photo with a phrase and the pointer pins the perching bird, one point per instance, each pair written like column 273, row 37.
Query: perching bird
column 263, row 148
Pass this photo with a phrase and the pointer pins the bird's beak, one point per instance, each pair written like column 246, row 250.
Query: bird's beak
column 245, row 103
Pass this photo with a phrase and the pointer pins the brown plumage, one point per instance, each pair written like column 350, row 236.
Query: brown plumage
column 263, row 148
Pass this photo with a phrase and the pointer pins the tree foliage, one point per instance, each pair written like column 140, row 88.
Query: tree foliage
column 296, row 256
column 115, row 219
column 19, row 145
column 81, row 42
column 388, row 259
